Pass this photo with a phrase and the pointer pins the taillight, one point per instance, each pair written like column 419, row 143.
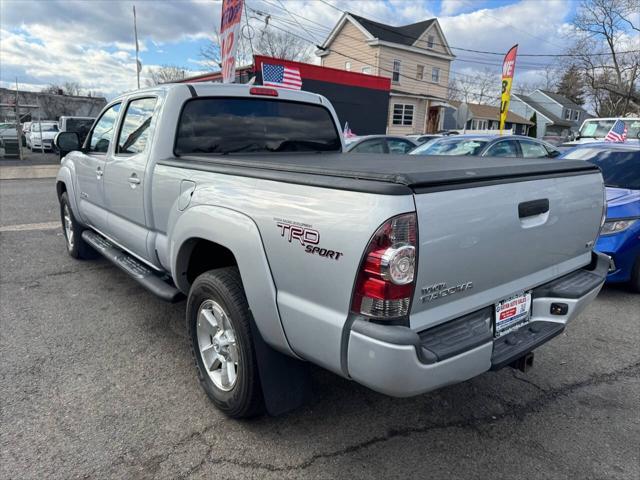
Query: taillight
column 386, row 278
column 269, row 92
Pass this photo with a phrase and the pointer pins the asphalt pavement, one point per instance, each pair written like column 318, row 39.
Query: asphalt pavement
column 97, row 381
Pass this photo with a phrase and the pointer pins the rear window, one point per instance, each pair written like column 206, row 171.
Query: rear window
column 230, row 125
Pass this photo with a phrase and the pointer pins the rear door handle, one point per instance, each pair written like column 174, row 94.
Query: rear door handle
column 533, row 207
column 99, row 173
column 134, row 180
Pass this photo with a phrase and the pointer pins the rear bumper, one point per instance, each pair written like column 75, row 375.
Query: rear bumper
column 397, row 361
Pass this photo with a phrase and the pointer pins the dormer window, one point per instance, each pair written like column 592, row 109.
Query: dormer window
column 430, row 41
column 567, row 114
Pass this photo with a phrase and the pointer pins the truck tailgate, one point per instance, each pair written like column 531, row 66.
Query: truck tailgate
column 481, row 243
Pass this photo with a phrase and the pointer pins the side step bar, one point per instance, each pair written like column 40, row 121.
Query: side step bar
column 152, row 281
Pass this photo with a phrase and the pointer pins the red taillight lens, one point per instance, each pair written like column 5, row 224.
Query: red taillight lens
column 269, row 92
column 386, row 278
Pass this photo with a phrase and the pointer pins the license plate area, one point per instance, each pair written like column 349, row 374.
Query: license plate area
column 512, row 313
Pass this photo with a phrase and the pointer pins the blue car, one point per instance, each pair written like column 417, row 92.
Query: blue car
column 620, row 235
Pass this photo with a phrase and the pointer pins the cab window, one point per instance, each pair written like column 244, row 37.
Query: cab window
column 134, row 132
column 102, row 132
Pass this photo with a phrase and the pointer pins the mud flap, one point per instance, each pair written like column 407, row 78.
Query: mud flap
column 286, row 382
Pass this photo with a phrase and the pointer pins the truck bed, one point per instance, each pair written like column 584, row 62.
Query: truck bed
column 381, row 173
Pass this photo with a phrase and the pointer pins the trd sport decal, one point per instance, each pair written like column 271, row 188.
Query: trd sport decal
column 309, row 238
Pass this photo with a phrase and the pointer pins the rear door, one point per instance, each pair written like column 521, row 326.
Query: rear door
column 485, row 243
column 124, row 179
column 90, row 165
column 503, row 148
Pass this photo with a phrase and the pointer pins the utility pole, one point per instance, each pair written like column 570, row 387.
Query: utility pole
column 18, row 124
column 135, row 33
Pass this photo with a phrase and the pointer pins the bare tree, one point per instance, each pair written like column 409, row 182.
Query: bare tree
column 67, row 88
column 266, row 41
column 166, row 74
column 607, row 56
column 483, row 87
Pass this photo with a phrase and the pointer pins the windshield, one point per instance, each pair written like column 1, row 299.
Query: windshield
column 453, row 146
column 46, row 127
column 620, row 168
column 599, row 128
column 234, row 125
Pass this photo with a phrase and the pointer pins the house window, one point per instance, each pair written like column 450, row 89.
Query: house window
column 576, row 115
column 435, row 75
column 567, row 114
column 347, row 66
column 402, row 114
column 479, row 125
column 396, row 71
column 420, row 72
column 366, row 70
column 430, row 41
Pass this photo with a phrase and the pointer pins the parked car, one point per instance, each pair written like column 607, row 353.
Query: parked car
column 488, row 146
column 26, row 128
column 424, row 138
column 379, row 144
column 620, row 234
column 595, row 129
column 8, row 140
column 239, row 197
column 42, row 135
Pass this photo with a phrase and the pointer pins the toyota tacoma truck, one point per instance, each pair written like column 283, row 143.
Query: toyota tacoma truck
column 404, row 274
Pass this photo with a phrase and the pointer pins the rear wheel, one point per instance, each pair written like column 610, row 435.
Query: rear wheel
column 218, row 318
column 72, row 230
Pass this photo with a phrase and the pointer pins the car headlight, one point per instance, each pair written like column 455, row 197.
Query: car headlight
column 616, row 226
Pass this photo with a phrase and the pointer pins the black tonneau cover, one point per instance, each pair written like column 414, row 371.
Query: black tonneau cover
column 381, row 173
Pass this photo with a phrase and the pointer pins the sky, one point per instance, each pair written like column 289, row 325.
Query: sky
column 91, row 42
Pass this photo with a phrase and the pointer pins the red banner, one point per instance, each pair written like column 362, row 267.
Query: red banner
column 229, row 31
column 508, row 70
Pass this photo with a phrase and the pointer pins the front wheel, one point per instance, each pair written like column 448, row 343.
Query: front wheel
column 219, row 321
column 72, row 230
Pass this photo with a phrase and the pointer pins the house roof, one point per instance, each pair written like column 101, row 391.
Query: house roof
column 562, row 100
column 490, row 112
column 405, row 35
column 540, row 109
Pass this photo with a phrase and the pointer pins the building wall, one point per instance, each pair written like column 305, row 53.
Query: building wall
column 419, row 113
column 49, row 106
column 350, row 41
column 409, row 62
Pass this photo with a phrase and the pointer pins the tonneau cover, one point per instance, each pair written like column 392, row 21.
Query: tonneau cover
column 413, row 171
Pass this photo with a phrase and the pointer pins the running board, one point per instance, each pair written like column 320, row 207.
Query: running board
column 142, row 274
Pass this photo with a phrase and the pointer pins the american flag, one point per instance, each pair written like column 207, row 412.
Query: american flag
column 281, row 76
column 618, row 132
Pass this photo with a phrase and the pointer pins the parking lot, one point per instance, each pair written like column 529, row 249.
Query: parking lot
column 97, row 381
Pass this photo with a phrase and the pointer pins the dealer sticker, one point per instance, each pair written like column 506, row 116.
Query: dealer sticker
column 512, row 313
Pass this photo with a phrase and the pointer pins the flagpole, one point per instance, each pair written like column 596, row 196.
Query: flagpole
column 135, row 32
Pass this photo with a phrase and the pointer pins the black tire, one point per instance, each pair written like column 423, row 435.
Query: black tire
column 224, row 286
column 635, row 277
column 78, row 248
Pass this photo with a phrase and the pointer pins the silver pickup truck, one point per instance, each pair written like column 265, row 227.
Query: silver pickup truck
column 402, row 273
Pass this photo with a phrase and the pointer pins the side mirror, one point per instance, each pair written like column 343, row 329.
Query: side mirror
column 554, row 153
column 67, row 142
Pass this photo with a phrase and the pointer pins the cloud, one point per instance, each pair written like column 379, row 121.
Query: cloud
column 450, row 7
